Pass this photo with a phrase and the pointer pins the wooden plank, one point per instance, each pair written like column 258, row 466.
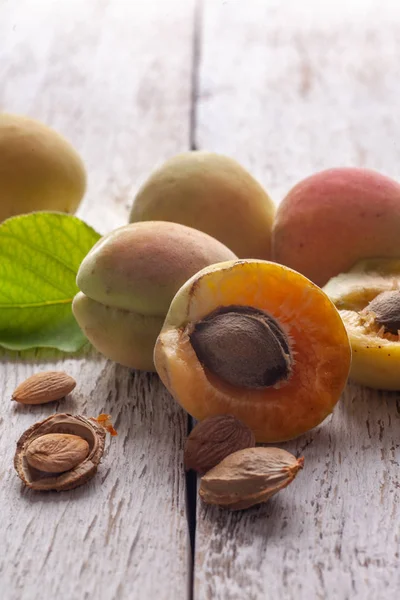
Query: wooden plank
column 290, row 88
column 99, row 72
column 296, row 88
column 113, row 76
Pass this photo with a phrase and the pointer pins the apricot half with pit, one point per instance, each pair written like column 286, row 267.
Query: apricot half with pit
column 39, row 169
column 258, row 341
column 128, row 280
column 368, row 300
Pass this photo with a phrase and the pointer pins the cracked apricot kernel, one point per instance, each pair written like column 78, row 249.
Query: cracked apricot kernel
column 60, row 453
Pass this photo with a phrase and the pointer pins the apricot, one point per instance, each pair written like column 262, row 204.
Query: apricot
column 212, row 193
column 39, row 169
column 334, row 218
column 258, row 341
column 128, row 280
column 367, row 298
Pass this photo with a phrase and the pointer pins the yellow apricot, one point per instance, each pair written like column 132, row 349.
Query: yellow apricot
column 212, row 193
column 39, row 169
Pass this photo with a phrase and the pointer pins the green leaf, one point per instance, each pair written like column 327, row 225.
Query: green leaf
column 40, row 254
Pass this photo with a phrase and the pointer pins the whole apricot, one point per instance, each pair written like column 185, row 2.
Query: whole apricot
column 334, row 218
column 39, row 169
column 368, row 300
column 212, row 193
column 258, row 341
column 128, row 280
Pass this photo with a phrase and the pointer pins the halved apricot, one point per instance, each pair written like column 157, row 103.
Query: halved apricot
column 256, row 340
column 372, row 323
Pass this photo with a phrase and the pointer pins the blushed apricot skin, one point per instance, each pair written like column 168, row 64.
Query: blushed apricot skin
column 39, row 169
column 212, row 193
column 334, row 218
column 128, row 280
column 317, row 336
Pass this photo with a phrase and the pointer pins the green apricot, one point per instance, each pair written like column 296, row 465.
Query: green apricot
column 212, row 193
column 127, row 283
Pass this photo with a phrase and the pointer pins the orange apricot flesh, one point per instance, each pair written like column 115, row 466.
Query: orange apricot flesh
column 318, row 341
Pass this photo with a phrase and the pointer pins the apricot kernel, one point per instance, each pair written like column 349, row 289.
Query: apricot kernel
column 60, row 453
column 249, row 477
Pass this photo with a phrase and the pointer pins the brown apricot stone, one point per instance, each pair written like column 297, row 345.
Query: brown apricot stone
column 244, row 346
column 386, row 310
column 214, row 439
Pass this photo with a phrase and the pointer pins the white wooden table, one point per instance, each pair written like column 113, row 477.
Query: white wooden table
column 287, row 88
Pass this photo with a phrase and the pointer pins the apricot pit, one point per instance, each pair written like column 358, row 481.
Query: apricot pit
column 244, row 346
column 385, row 309
column 258, row 341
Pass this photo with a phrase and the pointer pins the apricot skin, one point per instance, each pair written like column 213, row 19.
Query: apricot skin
column 212, row 193
column 39, row 169
column 334, row 218
column 122, row 336
column 313, row 326
column 128, row 280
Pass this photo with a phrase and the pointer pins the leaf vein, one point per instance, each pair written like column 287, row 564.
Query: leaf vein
column 38, row 249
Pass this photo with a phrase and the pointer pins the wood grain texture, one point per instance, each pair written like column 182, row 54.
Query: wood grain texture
column 288, row 89
column 292, row 89
column 113, row 76
column 98, row 72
